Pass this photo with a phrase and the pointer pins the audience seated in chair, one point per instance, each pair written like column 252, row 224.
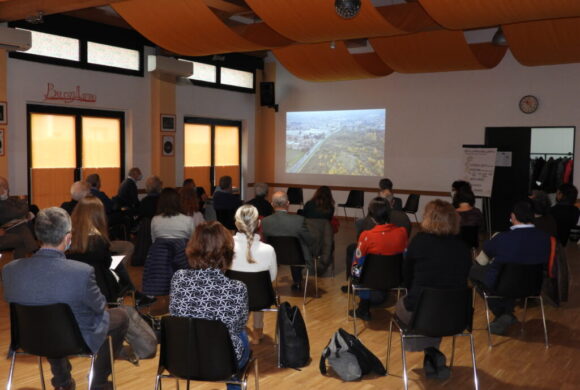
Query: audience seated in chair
column 386, row 191
column 200, row 192
column 565, row 211
column 522, row 244
column 205, row 292
column 471, row 221
column 15, row 232
column 190, row 204
column 128, row 195
column 78, row 190
column 252, row 255
column 283, row 224
column 436, row 258
column 94, row 181
column 170, row 222
column 47, row 278
column 321, row 206
column 148, row 205
column 383, row 239
column 260, row 202
column 543, row 220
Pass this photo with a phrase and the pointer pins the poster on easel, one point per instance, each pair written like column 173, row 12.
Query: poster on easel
column 479, row 166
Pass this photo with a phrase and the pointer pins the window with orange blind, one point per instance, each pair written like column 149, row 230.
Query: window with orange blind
column 211, row 150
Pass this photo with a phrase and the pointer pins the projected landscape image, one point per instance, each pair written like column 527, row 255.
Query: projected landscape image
column 346, row 142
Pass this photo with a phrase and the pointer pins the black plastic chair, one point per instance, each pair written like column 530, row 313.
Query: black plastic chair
column 355, row 200
column 412, row 205
column 49, row 331
column 295, row 196
column 199, row 350
column 226, row 217
column 289, row 252
column 439, row 313
column 380, row 272
column 518, row 281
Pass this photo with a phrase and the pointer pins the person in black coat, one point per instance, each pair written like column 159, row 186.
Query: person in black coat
column 148, row 205
column 78, row 190
column 264, row 207
column 565, row 211
column 386, row 191
column 128, row 195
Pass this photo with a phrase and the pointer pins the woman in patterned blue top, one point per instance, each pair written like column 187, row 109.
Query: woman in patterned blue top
column 205, row 292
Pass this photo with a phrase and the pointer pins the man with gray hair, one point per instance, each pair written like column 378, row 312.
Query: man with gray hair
column 78, row 190
column 14, row 217
column 283, row 224
column 48, row 277
column 264, row 207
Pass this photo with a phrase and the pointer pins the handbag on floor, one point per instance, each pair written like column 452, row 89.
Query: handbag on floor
column 349, row 358
column 294, row 345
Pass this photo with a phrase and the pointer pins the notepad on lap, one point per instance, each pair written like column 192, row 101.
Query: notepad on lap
column 116, row 261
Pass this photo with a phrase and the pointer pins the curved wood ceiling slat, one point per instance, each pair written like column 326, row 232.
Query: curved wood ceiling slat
column 468, row 14
column 436, row 51
column 546, row 42
column 190, row 28
column 319, row 62
column 316, row 20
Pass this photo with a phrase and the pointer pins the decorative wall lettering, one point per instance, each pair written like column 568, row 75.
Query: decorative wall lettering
column 69, row 96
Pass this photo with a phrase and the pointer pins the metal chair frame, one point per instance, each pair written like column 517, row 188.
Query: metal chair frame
column 347, row 204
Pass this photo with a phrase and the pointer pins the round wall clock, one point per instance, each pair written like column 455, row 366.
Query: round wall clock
column 529, row 104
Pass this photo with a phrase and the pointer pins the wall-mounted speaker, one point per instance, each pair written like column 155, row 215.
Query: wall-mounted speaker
column 267, row 94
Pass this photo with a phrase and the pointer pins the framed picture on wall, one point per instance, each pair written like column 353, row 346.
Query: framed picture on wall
column 3, row 113
column 167, row 122
column 168, row 145
column 2, row 143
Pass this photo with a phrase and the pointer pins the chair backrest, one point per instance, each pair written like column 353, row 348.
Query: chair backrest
column 260, row 291
column 50, row 331
column 196, row 349
column 412, row 203
column 295, row 195
column 442, row 312
column 356, row 199
column 226, row 217
column 470, row 235
column 288, row 250
column 382, row 272
column 519, row 280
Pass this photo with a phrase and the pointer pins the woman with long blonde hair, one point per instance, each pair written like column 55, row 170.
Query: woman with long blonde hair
column 252, row 255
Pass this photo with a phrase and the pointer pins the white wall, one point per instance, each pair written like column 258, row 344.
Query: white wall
column 217, row 104
column 27, row 83
column 429, row 116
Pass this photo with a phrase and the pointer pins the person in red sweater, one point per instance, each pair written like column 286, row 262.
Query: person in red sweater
column 383, row 239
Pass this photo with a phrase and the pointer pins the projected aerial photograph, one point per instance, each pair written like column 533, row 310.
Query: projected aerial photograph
column 346, row 142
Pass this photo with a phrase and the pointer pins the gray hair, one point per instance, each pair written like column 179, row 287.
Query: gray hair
column 52, row 225
column 79, row 189
column 247, row 223
column 153, row 185
column 279, row 199
column 261, row 189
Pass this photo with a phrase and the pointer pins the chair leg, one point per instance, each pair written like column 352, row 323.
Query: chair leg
column 306, row 285
column 112, row 362
column 256, row 375
column 348, row 298
column 544, row 321
column 278, row 349
column 405, row 379
column 416, row 219
column 475, row 380
column 158, row 382
column 452, row 352
column 487, row 318
column 345, row 217
column 91, row 371
column 11, row 372
column 525, row 312
column 176, row 384
column 187, row 386
column 41, row 373
column 315, row 278
column 389, row 346
column 354, row 311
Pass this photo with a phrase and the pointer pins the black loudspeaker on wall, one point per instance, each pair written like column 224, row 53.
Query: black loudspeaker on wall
column 267, row 95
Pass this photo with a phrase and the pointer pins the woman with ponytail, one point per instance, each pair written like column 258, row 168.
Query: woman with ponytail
column 252, row 255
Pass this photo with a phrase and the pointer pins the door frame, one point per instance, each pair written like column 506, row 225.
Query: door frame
column 213, row 123
column 78, row 113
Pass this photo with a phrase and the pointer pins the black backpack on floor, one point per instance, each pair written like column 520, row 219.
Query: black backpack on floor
column 294, row 345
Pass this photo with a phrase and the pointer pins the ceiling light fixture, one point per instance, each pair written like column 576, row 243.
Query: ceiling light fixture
column 332, row 45
column 347, row 9
column 499, row 38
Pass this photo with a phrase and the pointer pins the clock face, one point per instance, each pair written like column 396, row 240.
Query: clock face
column 529, row 104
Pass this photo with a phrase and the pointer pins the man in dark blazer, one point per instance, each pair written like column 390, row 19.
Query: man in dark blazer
column 386, row 191
column 14, row 231
column 283, row 224
column 522, row 244
column 48, row 277
column 128, row 195
column 78, row 190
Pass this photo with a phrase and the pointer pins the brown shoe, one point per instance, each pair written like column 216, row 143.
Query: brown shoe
column 257, row 336
column 70, row 386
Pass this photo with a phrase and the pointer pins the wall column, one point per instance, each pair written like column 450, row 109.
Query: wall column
column 4, row 164
column 162, row 102
column 265, row 138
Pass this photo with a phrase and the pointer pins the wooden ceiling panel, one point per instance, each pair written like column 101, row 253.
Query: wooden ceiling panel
column 317, row 21
column 189, row 27
column 468, row 14
column 320, row 62
column 436, row 51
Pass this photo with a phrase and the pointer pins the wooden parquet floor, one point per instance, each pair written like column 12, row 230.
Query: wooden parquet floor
column 517, row 361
